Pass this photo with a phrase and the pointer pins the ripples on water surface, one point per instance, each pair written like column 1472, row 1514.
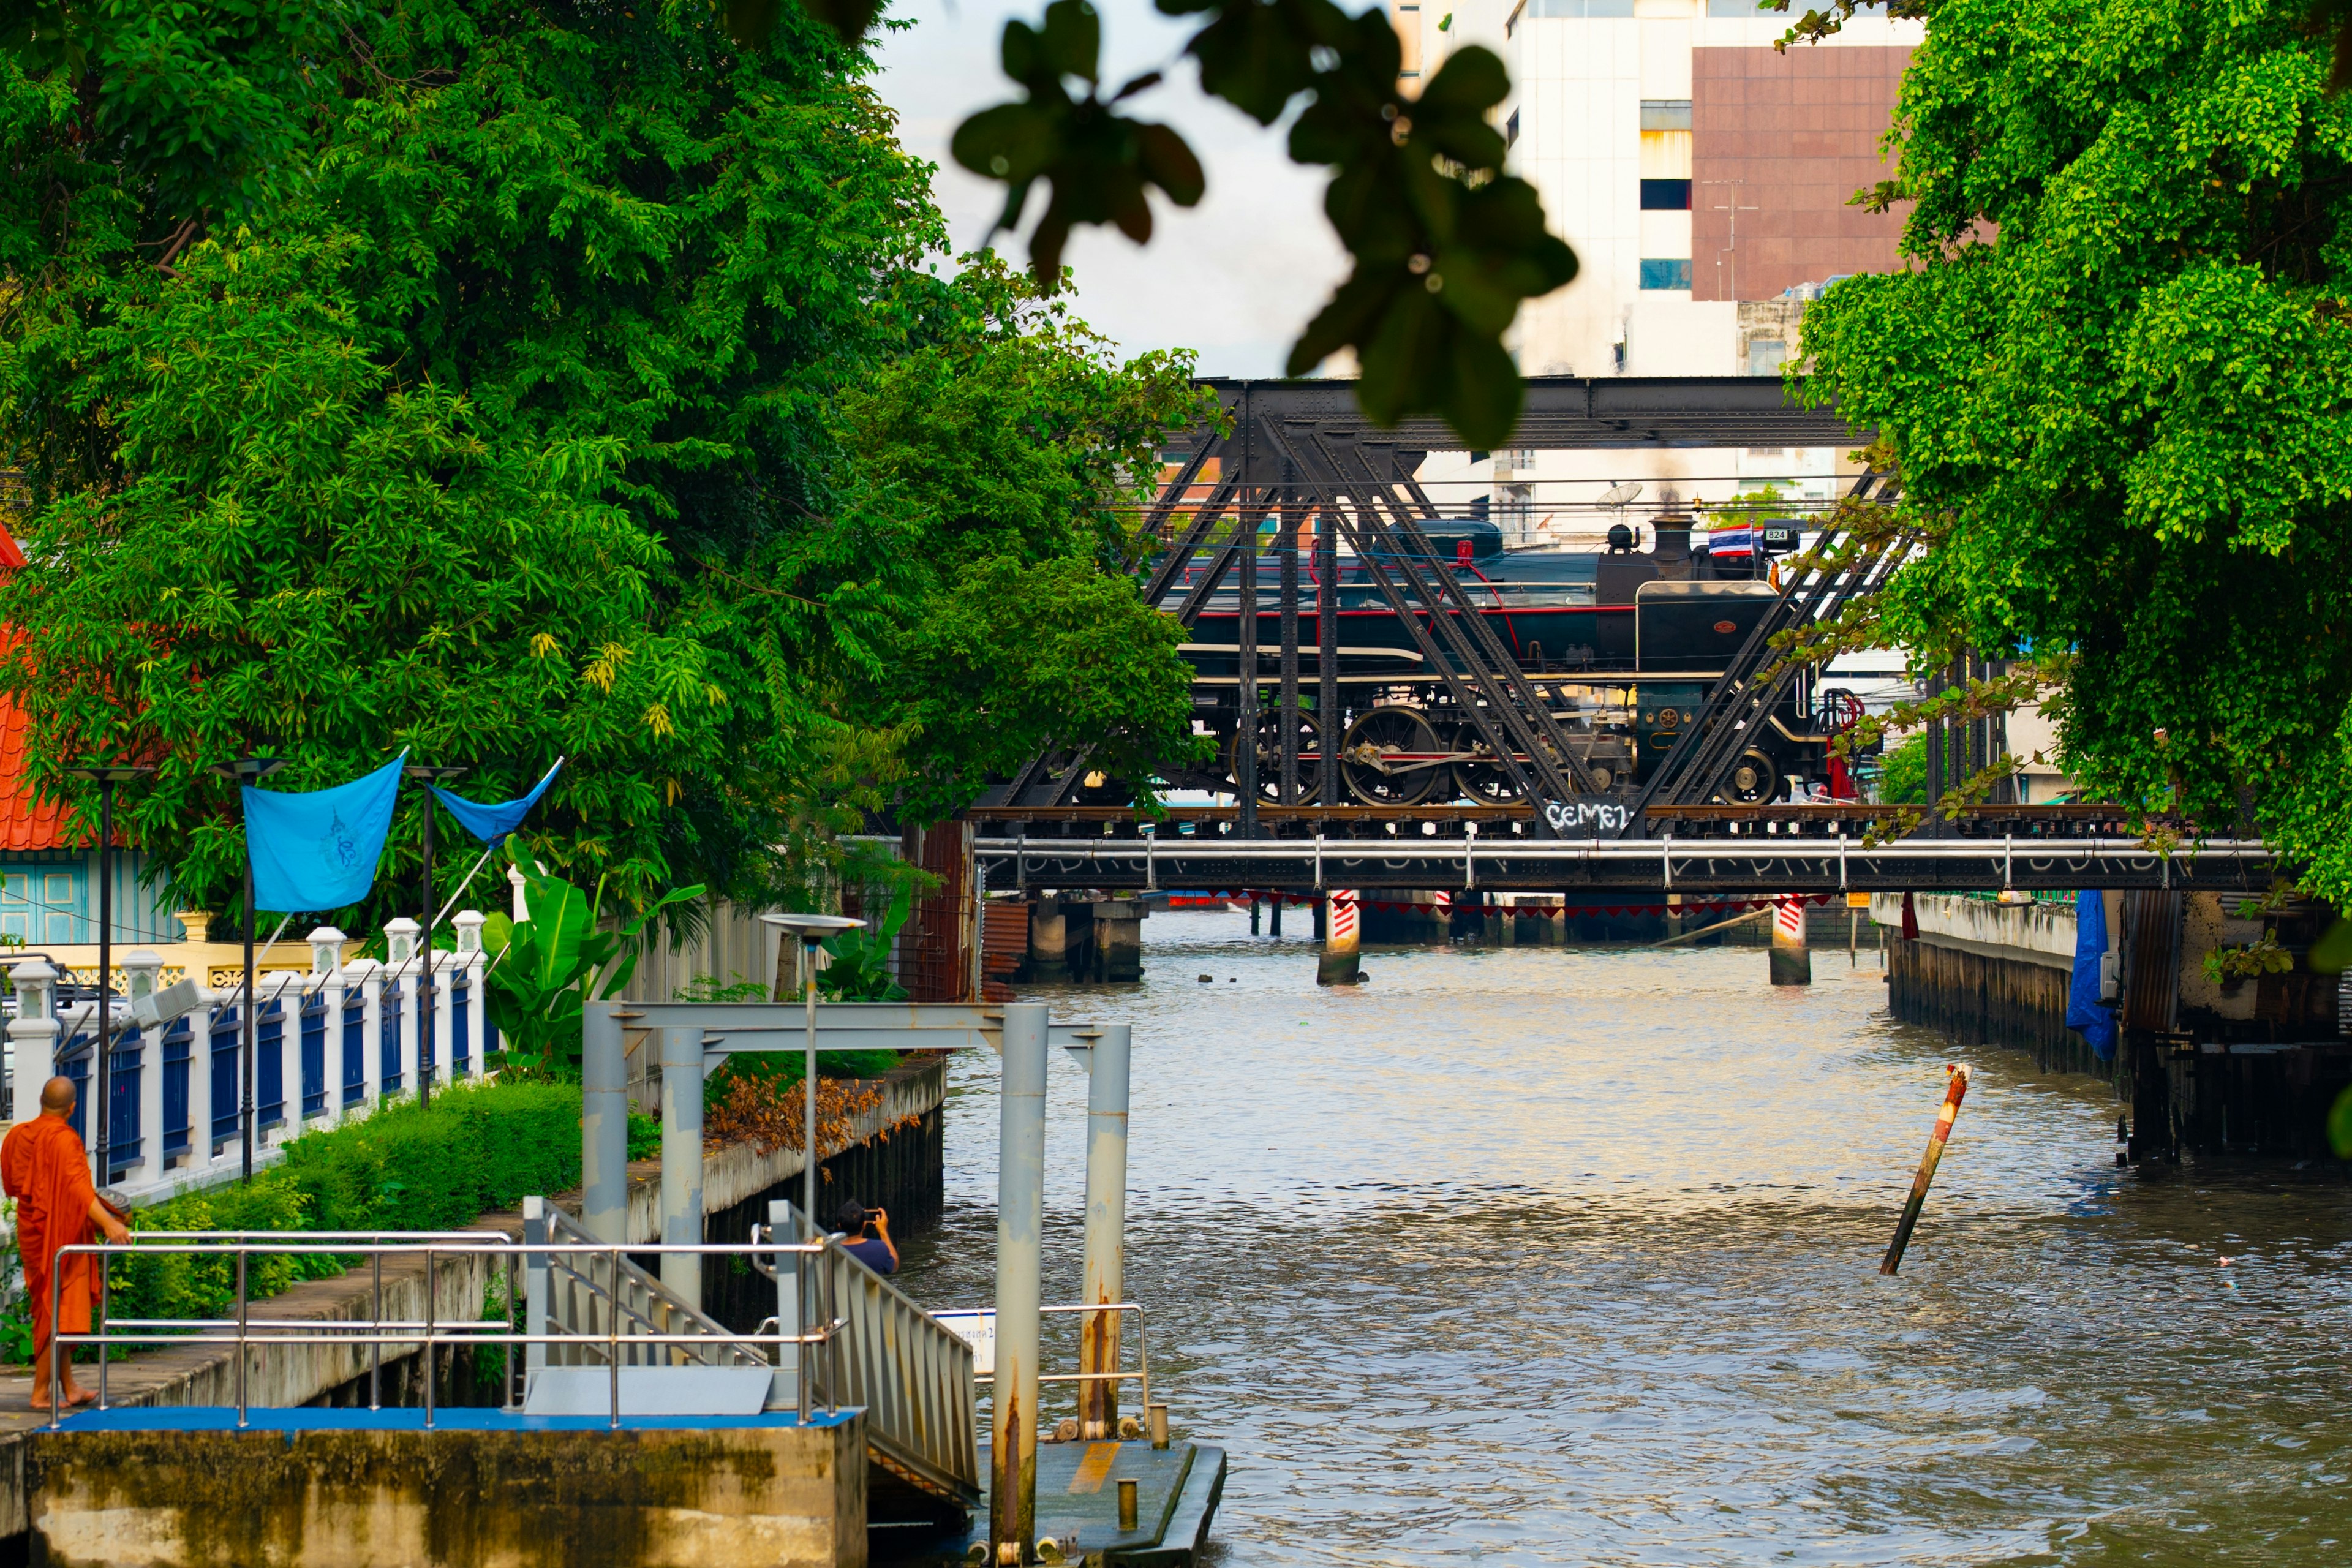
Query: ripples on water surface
column 1569, row 1256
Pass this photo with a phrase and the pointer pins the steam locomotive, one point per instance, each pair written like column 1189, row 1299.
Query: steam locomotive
column 1627, row 641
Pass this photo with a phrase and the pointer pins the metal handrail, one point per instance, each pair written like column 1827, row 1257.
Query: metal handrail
column 1142, row 1349
column 378, row 1331
column 699, row 1324
column 911, row 1373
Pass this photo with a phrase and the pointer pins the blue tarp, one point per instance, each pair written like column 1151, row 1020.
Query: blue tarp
column 492, row 823
column 318, row 850
column 2085, row 1013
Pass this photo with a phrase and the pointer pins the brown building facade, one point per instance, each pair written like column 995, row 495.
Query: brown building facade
column 1779, row 144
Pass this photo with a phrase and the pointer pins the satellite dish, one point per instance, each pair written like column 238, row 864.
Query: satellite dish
column 1620, row 494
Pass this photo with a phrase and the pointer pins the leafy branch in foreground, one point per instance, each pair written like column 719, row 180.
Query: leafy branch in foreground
column 1445, row 244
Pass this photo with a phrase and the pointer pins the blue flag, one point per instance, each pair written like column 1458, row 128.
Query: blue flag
column 319, row 851
column 491, row 824
column 2084, row 1015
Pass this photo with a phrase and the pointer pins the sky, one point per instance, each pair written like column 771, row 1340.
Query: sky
column 1235, row 278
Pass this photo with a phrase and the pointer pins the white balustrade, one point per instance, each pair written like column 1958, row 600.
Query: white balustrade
column 39, row 1036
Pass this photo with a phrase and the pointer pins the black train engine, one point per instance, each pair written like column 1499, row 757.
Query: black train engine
column 1627, row 643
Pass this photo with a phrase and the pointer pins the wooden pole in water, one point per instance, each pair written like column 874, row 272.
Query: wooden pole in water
column 1956, row 1090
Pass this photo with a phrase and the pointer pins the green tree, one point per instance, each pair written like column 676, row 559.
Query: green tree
column 468, row 379
column 2116, row 374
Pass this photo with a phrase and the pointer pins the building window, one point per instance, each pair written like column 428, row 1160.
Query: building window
column 1572, row 10
column 1664, row 273
column 1666, row 114
column 1737, row 8
column 1511, row 139
column 1765, row 357
column 1666, row 196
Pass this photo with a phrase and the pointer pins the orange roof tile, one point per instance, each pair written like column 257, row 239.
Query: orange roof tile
column 25, row 823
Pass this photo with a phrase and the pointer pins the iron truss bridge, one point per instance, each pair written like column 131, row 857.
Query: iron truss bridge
column 1766, row 850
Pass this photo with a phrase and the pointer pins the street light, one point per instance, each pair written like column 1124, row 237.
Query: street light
column 426, row 1044
column 247, row 771
column 105, row 776
column 811, row 930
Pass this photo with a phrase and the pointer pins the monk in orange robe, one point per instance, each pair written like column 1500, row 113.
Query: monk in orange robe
column 44, row 1167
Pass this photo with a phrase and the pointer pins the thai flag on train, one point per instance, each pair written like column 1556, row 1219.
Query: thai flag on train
column 1732, row 542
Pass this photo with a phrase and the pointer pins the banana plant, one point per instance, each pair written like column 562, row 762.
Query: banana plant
column 544, row 970
column 860, row 966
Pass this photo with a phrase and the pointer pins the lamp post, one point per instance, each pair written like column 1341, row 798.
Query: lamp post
column 105, row 776
column 811, row 930
column 247, row 771
column 426, row 1008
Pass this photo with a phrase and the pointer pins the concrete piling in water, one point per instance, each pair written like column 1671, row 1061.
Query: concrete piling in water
column 1106, row 1265
column 1955, row 1090
column 1049, row 953
column 1337, row 965
column 681, row 1161
column 1020, row 1241
column 603, row 1127
column 1791, row 962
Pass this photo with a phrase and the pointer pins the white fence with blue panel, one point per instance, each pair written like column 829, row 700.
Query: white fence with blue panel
column 327, row 1046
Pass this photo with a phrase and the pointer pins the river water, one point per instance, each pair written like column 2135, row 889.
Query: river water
column 1569, row 1256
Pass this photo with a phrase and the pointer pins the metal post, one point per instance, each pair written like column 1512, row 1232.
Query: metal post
column 1245, row 693
column 810, row 1228
column 681, row 1157
column 376, row 1344
column 1106, row 1266
column 787, row 1391
column 432, row 1370
column 1934, row 755
column 248, row 1021
column 535, row 1287
column 604, row 1126
column 103, row 1112
column 1328, row 728
column 240, row 1330
column 1020, row 1237
column 1287, row 543
column 426, row 1010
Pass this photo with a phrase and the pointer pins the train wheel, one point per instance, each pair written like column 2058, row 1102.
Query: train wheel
column 1486, row 783
column 1269, row 759
column 1389, row 757
column 1752, row 780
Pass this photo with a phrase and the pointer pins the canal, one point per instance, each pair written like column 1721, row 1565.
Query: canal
column 1569, row 1256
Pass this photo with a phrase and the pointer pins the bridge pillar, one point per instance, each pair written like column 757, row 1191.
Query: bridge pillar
column 1792, row 963
column 1337, row 965
column 1048, row 940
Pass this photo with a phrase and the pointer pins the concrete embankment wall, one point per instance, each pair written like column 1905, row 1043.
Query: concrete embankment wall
column 1987, row 973
column 457, row 1496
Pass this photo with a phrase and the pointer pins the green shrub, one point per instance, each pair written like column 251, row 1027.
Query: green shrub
column 481, row 1149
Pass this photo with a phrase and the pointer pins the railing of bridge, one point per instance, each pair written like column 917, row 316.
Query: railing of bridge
column 637, row 1325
